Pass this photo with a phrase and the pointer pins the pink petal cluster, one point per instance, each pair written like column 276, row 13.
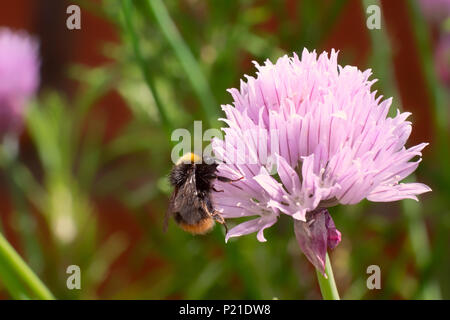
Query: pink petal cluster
column 316, row 235
column 19, row 77
column 334, row 143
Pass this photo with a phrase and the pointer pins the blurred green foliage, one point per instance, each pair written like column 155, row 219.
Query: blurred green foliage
column 173, row 66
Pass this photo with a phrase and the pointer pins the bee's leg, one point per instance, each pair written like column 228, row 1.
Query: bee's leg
column 217, row 190
column 228, row 180
column 216, row 215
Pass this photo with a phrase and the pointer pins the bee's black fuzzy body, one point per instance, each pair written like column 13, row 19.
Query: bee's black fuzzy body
column 190, row 203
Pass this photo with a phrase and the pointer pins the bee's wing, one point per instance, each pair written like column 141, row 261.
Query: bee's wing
column 183, row 197
column 170, row 209
column 186, row 196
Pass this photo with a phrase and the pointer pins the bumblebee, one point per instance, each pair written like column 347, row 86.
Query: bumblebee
column 190, row 203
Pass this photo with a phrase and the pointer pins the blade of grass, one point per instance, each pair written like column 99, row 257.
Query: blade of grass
column 132, row 34
column 381, row 59
column 18, row 271
column 438, row 96
column 9, row 164
column 14, row 287
column 438, row 99
column 331, row 17
column 382, row 52
column 194, row 73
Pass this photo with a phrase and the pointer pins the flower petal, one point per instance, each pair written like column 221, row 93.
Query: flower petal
column 270, row 185
column 398, row 192
column 287, row 175
column 252, row 226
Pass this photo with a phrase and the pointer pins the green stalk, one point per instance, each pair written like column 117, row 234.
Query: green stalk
column 327, row 285
column 15, row 288
column 190, row 65
column 131, row 31
column 15, row 271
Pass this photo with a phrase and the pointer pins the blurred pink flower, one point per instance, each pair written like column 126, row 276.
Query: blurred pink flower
column 442, row 59
column 328, row 136
column 19, row 77
column 435, row 10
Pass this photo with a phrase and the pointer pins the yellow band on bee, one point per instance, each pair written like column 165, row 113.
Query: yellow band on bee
column 189, row 158
column 202, row 227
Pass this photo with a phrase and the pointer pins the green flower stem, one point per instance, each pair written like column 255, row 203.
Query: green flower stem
column 15, row 271
column 187, row 60
column 327, row 285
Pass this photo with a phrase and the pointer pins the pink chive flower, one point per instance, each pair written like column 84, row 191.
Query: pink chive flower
column 19, row 77
column 329, row 139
